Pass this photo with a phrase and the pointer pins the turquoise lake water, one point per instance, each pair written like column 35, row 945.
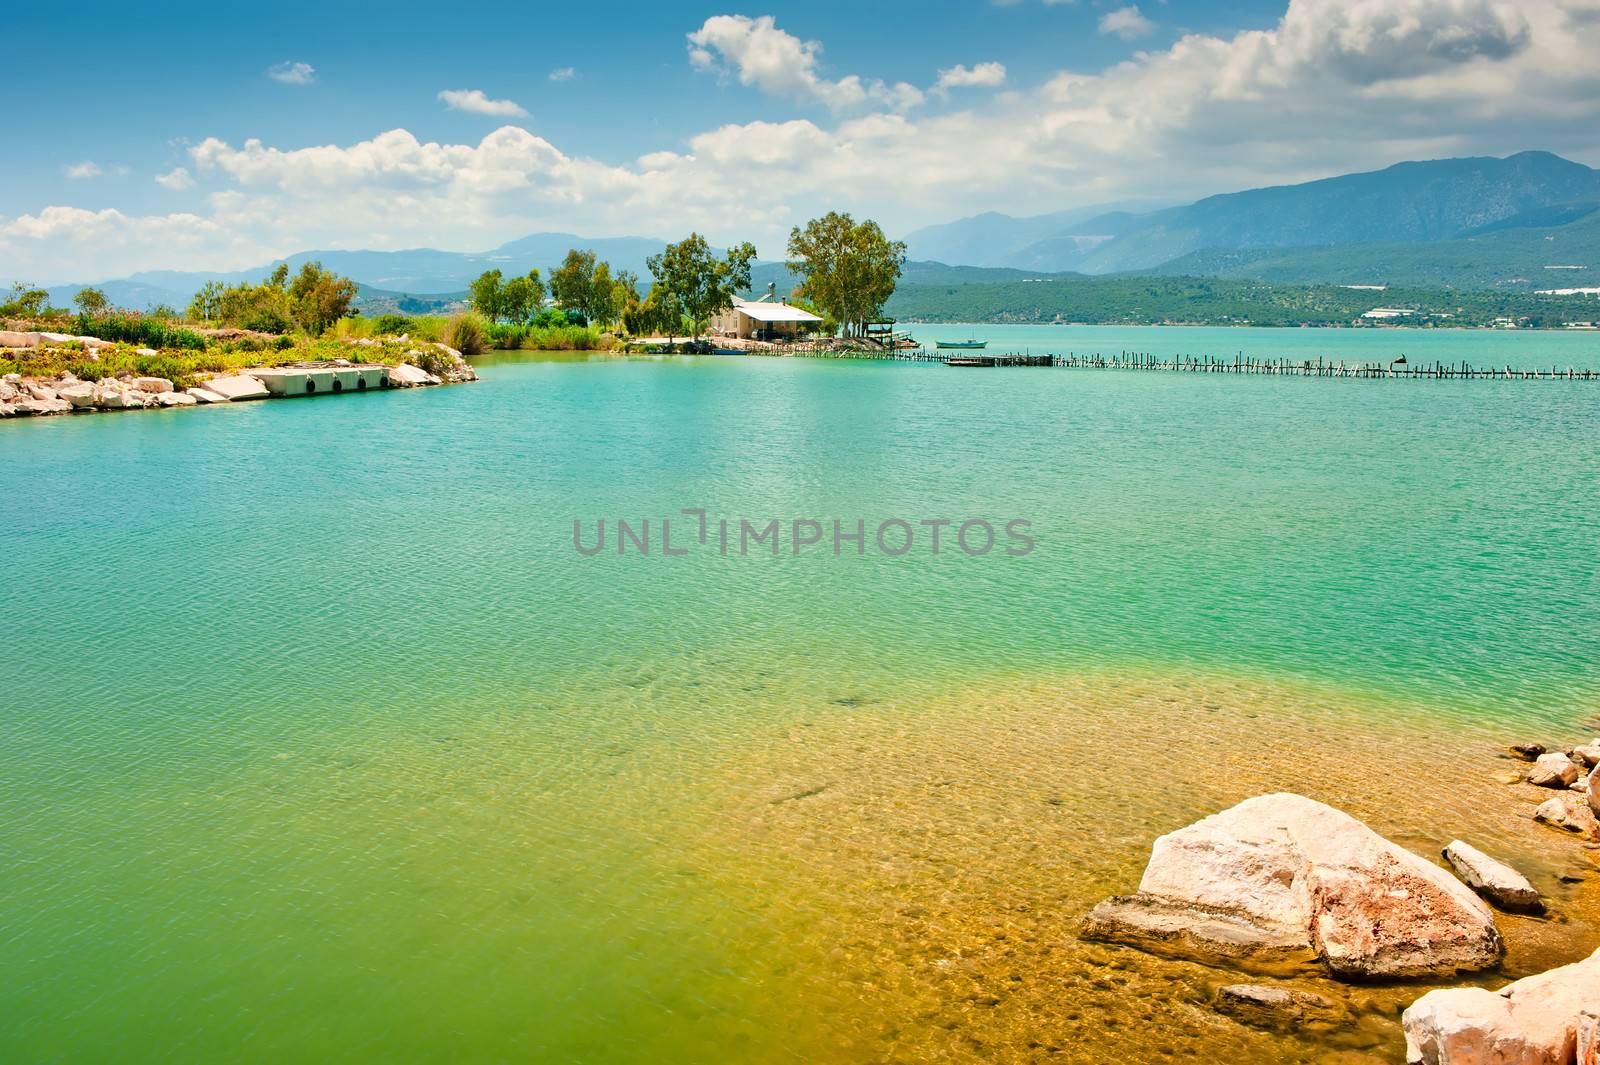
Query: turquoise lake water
column 323, row 741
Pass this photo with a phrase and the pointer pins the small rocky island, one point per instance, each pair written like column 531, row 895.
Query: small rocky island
column 1282, row 884
column 67, row 392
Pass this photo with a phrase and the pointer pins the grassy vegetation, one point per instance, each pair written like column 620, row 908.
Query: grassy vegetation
column 182, row 366
column 141, row 330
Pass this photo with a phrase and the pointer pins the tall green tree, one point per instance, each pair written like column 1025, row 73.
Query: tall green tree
column 318, row 298
column 488, row 295
column 206, row 306
column 91, row 301
column 522, row 297
column 698, row 283
column 24, row 301
column 572, row 283
column 850, row 268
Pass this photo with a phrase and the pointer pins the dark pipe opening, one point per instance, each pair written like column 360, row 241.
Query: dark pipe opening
column 311, row 386
column 338, row 385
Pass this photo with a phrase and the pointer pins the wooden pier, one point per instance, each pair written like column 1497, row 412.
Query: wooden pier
column 1207, row 364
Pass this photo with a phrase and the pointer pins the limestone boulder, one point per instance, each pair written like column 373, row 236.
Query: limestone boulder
column 176, row 399
column 1297, row 871
column 1494, row 880
column 1570, row 813
column 1592, row 792
column 153, row 385
column 39, row 390
column 81, row 394
column 1277, row 1007
column 1588, row 753
column 205, row 395
column 1554, row 770
column 1589, row 1037
column 8, row 410
column 406, row 375
column 43, row 406
column 237, row 387
column 11, row 338
column 1535, row 1021
column 8, row 392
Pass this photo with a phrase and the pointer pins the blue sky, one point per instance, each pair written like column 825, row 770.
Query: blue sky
column 653, row 119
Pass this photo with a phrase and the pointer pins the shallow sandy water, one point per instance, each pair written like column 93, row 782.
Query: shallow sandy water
column 928, row 865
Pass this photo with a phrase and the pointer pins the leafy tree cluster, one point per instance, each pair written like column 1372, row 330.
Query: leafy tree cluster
column 24, row 301
column 692, row 283
column 312, row 300
column 850, row 268
column 584, row 288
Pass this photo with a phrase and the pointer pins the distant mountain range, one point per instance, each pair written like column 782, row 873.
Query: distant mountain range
column 1529, row 221
column 1455, row 222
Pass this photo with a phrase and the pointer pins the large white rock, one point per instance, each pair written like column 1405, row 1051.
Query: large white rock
column 406, row 375
column 1531, row 1022
column 237, row 386
column 1299, row 869
column 176, row 399
column 81, row 394
column 153, row 385
column 1589, row 1037
column 1554, row 770
column 205, row 395
column 1570, row 813
column 39, row 390
column 1494, row 880
column 43, row 406
column 11, row 338
column 1588, row 753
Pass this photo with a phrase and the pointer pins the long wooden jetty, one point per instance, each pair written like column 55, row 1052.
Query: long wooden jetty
column 1208, row 364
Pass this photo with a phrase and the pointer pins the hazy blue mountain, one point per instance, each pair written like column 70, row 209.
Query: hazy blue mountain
column 1435, row 201
column 1502, row 255
column 1041, row 242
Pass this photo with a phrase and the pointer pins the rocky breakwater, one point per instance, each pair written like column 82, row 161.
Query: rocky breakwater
column 1282, row 880
column 67, row 394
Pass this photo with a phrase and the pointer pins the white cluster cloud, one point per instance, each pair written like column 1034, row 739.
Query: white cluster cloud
column 1334, row 86
column 563, row 74
column 178, row 179
column 777, row 62
column 292, row 73
column 82, row 171
column 979, row 75
column 1126, row 22
column 478, row 103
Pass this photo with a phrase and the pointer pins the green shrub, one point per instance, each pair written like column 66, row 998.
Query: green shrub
column 143, row 330
column 390, row 325
column 467, row 333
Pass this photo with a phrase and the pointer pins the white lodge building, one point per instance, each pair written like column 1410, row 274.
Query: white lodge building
column 763, row 319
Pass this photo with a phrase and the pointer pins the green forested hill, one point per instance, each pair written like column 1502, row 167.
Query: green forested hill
column 1218, row 301
column 1502, row 256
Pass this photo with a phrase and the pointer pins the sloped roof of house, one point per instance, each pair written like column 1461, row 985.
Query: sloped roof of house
column 763, row 311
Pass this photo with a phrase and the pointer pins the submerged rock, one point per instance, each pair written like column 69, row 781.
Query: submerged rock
column 1534, row 1021
column 1528, row 751
column 1295, row 873
column 1570, row 813
column 1494, row 880
column 1178, row 929
column 1553, row 770
column 1277, row 1007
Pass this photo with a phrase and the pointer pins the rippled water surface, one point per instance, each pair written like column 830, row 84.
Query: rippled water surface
column 322, row 741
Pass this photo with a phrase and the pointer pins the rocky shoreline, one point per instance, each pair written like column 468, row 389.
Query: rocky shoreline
column 1280, row 885
column 66, row 393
